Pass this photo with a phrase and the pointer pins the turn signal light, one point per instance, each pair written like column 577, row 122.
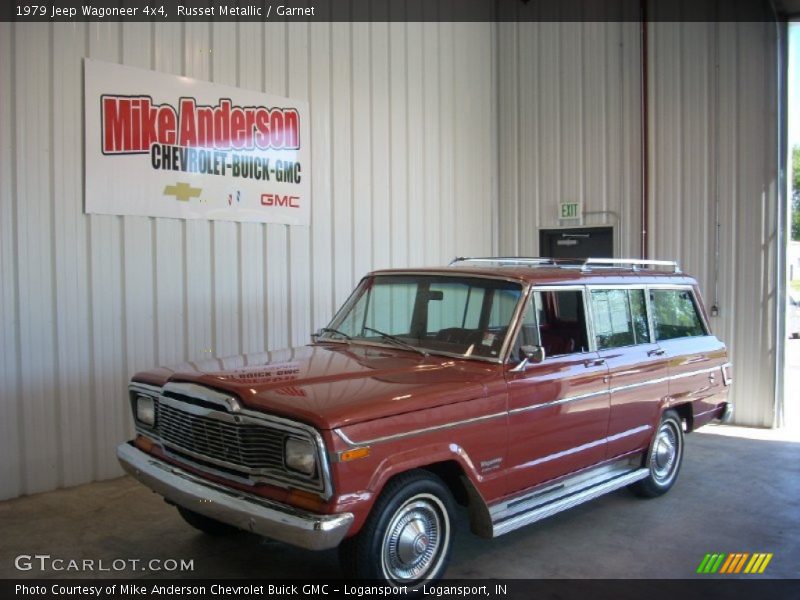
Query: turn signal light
column 303, row 499
column 144, row 444
column 354, row 454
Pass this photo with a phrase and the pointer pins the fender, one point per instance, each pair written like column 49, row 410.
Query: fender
column 422, row 456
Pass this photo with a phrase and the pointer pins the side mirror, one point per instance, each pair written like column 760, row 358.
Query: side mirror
column 530, row 355
column 534, row 354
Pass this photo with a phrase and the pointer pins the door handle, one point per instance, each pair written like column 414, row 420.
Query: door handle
column 656, row 352
column 595, row 362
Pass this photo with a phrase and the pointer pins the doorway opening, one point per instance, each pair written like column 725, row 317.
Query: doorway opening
column 791, row 387
column 577, row 242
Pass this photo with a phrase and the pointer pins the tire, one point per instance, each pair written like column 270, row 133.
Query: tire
column 407, row 537
column 206, row 524
column 664, row 458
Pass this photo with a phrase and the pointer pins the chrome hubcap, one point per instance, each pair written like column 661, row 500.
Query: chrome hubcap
column 666, row 448
column 416, row 539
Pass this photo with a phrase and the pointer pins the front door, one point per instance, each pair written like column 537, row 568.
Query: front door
column 558, row 409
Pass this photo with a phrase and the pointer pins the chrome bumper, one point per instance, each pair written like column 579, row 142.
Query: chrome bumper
column 245, row 511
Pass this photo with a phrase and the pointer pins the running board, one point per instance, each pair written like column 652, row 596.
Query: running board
column 529, row 508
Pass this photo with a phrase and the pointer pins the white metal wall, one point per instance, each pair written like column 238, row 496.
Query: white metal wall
column 713, row 117
column 403, row 173
column 569, row 97
column 569, row 102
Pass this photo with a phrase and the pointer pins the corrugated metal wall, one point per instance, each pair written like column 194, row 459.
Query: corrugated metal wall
column 403, row 173
column 569, row 101
column 713, row 118
column 569, row 97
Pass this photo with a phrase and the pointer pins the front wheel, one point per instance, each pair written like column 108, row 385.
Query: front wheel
column 664, row 458
column 407, row 537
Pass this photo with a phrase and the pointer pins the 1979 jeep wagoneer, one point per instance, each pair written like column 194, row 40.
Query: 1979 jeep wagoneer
column 517, row 387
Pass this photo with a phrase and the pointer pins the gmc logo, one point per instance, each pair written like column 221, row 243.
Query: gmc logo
column 278, row 200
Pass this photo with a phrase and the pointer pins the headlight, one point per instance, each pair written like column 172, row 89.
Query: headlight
column 300, row 456
column 146, row 410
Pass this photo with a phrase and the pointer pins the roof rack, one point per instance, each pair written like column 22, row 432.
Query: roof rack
column 633, row 263
column 585, row 264
column 509, row 261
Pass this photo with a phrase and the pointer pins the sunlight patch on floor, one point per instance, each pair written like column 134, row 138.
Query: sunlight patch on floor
column 784, row 434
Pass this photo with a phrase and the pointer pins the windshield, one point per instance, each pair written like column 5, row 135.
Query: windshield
column 462, row 316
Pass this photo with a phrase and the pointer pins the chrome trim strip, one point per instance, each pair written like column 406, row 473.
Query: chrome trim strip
column 246, row 511
column 557, row 402
column 144, row 388
column 397, row 436
column 206, row 394
column 345, row 439
column 586, row 446
column 199, row 392
column 562, row 454
column 693, row 373
column 622, row 388
column 628, row 432
column 631, row 386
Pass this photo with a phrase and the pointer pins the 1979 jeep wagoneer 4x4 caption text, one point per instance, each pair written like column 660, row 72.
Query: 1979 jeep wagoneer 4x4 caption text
column 518, row 387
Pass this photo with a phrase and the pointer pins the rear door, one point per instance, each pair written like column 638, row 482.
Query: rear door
column 695, row 356
column 637, row 366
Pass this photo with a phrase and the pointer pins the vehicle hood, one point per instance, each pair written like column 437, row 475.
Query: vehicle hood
column 333, row 385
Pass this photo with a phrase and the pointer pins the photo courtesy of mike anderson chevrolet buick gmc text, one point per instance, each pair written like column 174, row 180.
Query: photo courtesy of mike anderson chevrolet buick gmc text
column 516, row 387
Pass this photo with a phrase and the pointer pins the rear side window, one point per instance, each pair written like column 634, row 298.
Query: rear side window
column 620, row 318
column 675, row 314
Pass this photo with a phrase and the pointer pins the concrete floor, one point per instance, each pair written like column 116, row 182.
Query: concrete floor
column 734, row 494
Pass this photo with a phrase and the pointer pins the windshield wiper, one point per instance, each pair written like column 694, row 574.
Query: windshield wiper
column 396, row 340
column 336, row 331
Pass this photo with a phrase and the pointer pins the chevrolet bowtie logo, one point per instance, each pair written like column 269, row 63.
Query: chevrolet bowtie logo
column 182, row 191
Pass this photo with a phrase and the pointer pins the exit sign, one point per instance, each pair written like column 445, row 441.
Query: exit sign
column 569, row 210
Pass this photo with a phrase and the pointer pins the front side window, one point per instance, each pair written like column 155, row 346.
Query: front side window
column 675, row 314
column 465, row 316
column 556, row 321
column 620, row 318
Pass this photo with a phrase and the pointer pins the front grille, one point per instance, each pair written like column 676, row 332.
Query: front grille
column 253, row 448
column 249, row 446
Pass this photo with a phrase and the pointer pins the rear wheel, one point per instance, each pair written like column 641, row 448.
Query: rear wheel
column 206, row 524
column 663, row 459
column 407, row 537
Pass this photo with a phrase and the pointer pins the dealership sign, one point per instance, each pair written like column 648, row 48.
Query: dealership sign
column 166, row 146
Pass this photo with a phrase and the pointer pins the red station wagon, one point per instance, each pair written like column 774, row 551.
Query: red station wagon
column 518, row 387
